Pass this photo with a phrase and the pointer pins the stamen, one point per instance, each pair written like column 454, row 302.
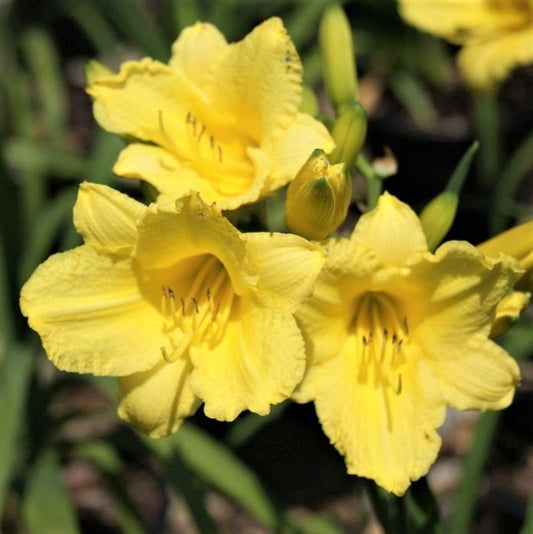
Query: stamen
column 201, row 133
column 399, row 385
column 405, row 325
column 195, row 302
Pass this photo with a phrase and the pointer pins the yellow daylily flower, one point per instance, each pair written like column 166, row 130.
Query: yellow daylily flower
column 496, row 35
column 221, row 119
column 178, row 304
column 394, row 334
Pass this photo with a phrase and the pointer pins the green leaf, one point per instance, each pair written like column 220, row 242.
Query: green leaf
column 189, row 486
column 518, row 342
column 15, row 371
column 220, row 468
column 103, row 455
column 136, row 25
column 41, row 55
column 45, row 229
column 46, row 508
column 248, row 424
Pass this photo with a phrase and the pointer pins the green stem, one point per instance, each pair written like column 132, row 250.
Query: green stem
column 487, row 118
column 520, row 162
column 373, row 180
column 465, row 499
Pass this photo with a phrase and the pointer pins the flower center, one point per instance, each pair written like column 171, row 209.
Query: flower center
column 218, row 153
column 382, row 332
column 196, row 306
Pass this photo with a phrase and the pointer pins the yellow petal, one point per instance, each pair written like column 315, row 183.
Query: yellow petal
column 286, row 266
column 455, row 291
column 175, row 177
column 107, row 219
column 195, row 50
column 293, row 147
column 259, row 81
column 385, row 436
column 155, row 402
column 481, row 376
column 146, row 100
column 485, row 63
column 508, row 312
column 170, row 233
column 392, row 230
column 258, row 363
column 90, row 314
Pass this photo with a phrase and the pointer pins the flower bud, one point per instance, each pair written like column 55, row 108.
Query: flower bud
column 437, row 217
column 337, row 56
column 318, row 198
column 349, row 132
column 94, row 70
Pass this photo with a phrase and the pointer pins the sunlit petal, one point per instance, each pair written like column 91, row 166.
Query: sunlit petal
column 107, row 219
column 90, row 314
column 392, row 230
column 155, row 402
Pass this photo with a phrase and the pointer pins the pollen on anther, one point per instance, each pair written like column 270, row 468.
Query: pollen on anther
column 195, row 302
column 405, row 325
column 399, row 385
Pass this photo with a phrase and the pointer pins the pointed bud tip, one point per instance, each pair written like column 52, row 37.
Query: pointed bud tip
column 318, row 198
column 94, row 70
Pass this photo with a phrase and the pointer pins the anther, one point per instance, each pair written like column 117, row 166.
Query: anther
column 405, row 325
column 212, row 142
column 215, row 312
column 170, row 293
column 182, row 305
column 208, row 294
column 394, row 338
column 219, row 153
column 399, row 346
column 399, row 385
column 195, row 302
column 165, row 354
column 201, row 133
column 386, row 334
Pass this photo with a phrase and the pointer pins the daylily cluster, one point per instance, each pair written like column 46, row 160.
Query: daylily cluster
column 186, row 310
column 496, row 35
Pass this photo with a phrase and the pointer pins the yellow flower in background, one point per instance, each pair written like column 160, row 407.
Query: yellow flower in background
column 394, row 334
column 178, row 304
column 221, row 119
column 318, row 198
column 496, row 35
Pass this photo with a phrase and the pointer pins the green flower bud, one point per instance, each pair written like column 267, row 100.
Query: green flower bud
column 349, row 133
column 94, row 70
column 318, row 198
column 437, row 217
column 337, row 56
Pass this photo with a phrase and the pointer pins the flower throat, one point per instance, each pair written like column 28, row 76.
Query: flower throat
column 381, row 330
